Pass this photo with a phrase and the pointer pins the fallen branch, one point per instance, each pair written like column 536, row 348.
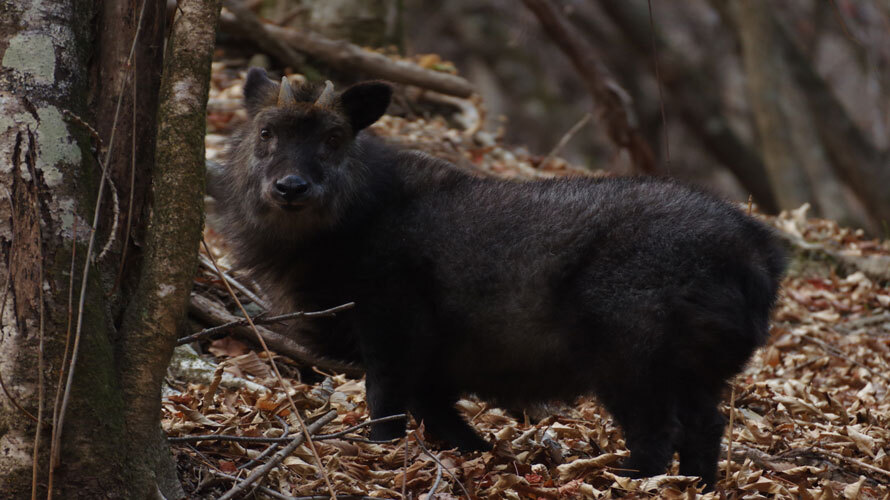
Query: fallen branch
column 251, row 24
column 361, row 425
column 565, row 140
column 283, row 438
column 275, row 494
column 617, row 112
column 272, row 448
column 211, row 312
column 259, row 472
column 800, row 457
column 187, row 365
column 854, row 461
column 348, row 57
column 263, row 320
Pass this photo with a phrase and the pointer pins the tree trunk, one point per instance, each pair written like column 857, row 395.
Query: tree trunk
column 789, row 124
column 111, row 444
column 770, row 90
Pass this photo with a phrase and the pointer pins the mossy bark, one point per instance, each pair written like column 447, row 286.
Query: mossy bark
column 175, row 223
column 45, row 169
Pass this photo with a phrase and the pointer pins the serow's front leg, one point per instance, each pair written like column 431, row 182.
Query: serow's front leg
column 385, row 398
column 443, row 421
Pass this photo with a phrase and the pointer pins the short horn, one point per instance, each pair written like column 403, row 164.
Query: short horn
column 286, row 93
column 327, row 95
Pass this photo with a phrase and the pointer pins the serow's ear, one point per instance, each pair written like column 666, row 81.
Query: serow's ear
column 257, row 89
column 365, row 102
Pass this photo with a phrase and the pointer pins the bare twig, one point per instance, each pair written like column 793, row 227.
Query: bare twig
column 405, row 470
column 280, row 496
column 116, row 215
column 729, row 437
column 664, row 125
column 212, row 312
column 259, row 472
column 352, row 58
column 854, row 461
column 432, row 494
column 278, row 376
column 840, row 20
column 80, row 121
column 263, row 320
column 613, row 100
column 284, row 437
column 356, row 427
column 235, row 283
column 439, row 462
column 565, row 140
column 14, row 402
column 270, row 449
column 80, row 306
column 840, row 355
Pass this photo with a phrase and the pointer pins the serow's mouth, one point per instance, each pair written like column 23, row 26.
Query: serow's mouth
column 291, row 207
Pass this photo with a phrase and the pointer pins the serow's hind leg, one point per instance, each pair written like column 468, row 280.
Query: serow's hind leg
column 443, row 421
column 699, row 443
column 650, row 429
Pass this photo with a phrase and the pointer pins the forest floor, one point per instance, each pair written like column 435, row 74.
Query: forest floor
column 810, row 416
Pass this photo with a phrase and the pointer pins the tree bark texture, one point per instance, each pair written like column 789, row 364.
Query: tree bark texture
column 50, row 175
column 769, row 90
column 855, row 159
column 175, row 225
column 60, row 63
column 132, row 152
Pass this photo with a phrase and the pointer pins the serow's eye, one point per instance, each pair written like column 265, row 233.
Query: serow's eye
column 265, row 134
column 333, row 141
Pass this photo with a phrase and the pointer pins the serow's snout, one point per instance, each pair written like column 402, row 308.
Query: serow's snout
column 290, row 189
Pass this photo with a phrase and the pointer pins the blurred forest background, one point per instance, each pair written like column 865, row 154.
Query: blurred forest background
column 787, row 101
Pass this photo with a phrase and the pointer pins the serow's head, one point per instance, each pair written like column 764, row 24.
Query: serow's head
column 299, row 147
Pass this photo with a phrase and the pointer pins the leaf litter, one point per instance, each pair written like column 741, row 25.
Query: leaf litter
column 811, row 412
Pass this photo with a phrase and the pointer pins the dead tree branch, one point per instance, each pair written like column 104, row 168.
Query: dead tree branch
column 211, row 312
column 251, row 24
column 260, row 472
column 617, row 112
column 343, row 55
column 265, row 321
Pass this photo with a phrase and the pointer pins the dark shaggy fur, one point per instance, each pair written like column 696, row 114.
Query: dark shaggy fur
column 646, row 293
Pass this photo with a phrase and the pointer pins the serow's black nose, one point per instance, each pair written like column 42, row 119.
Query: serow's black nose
column 290, row 188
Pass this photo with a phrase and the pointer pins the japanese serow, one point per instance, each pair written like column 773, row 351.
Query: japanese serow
column 643, row 292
